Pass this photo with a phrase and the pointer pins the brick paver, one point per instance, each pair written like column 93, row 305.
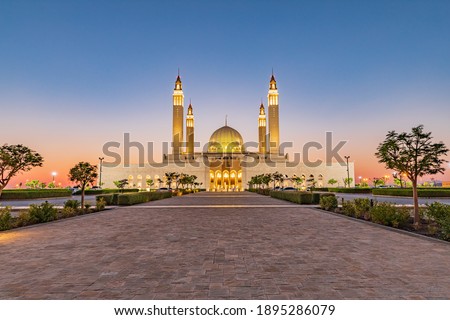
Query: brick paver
column 272, row 250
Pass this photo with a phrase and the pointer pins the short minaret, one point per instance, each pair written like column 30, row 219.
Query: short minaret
column 190, row 130
column 178, row 114
column 262, row 129
column 274, row 122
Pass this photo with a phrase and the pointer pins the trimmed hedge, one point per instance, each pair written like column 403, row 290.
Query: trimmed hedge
column 110, row 199
column 321, row 189
column 296, row 197
column 350, row 190
column 328, row 201
column 18, row 194
column 407, row 192
column 128, row 199
column 91, row 192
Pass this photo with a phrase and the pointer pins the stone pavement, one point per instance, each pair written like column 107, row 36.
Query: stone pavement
column 219, row 246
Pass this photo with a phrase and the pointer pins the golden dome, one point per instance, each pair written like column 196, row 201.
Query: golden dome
column 226, row 140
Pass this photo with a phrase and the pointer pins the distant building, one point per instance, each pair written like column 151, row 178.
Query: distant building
column 226, row 165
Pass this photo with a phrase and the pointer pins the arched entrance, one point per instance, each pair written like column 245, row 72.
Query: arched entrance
column 225, row 180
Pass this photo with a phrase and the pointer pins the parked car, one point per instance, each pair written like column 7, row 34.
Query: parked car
column 289, row 189
column 163, row 190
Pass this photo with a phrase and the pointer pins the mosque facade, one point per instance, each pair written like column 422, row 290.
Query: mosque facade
column 226, row 165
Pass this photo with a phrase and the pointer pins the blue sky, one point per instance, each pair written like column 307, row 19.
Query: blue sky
column 80, row 73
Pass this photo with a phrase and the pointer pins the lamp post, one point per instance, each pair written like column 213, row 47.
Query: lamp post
column 100, row 175
column 53, row 176
column 348, row 172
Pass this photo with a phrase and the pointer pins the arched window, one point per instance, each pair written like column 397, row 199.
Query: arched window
column 320, row 181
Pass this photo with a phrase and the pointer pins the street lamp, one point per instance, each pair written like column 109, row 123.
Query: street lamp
column 100, row 175
column 348, row 172
column 53, row 176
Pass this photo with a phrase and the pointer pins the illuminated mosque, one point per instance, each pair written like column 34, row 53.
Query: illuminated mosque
column 226, row 165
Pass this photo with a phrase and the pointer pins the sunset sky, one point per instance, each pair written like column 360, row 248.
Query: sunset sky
column 77, row 74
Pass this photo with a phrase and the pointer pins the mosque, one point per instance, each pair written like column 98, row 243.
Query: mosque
column 226, row 165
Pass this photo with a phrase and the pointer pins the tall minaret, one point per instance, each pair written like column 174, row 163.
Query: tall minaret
column 274, row 122
column 190, row 130
column 262, row 129
column 178, row 113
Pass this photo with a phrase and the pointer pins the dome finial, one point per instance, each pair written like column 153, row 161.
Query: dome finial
column 226, row 120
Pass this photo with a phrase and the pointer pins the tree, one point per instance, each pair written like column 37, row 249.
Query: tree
column 14, row 159
column 332, row 181
column 83, row 173
column 266, row 179
column 121, row 184
column 415, row 155
column 347, row 182
column 377, row 181
column 311, row 183
column 398, row 179
column 277, row 177
column 149, row 183
column 170, row 177
column 33, row 184
column 297, row 181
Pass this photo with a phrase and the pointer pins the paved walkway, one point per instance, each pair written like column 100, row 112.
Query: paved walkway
column 228, row 246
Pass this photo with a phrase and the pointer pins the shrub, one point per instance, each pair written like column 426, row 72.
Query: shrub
column 328, row 202
column 23, row 219
column 18, row 194
column 321, row 189
column 68, row 212
column 264, row 192
column 110, row 199
column 440, row 213
column 407, row 192
column 316, row 198
column 350, row 190
column 5, row 218
column 389, row 215
column 141, row 197
column 73, row 204
column 296, row 197
column 362, row 207
column 105, row 191
column 100, row 204
column 348, row 208
column 42, row 213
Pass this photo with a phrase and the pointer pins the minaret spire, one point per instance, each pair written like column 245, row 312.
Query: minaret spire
column 274, row 123
column 178, row 116
column 262, row 131
column 190, row 129
column 226, row 120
